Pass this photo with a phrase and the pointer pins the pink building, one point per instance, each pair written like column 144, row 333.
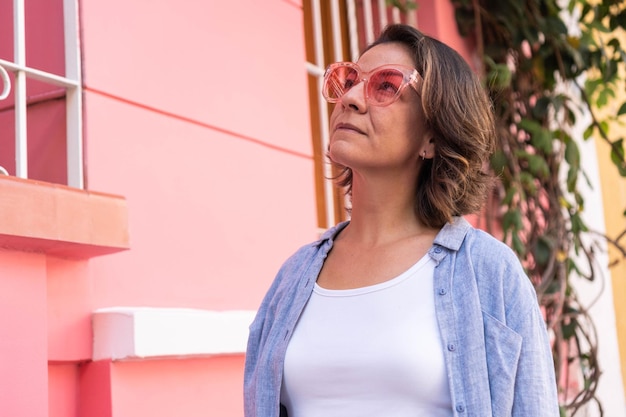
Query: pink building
column 163, row 159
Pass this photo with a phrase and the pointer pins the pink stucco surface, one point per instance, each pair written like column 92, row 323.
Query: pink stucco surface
column 199, row 117
column 436, row 18
column 64, row 392
column 23, row 362
column 190, row 388
column 69, row 304
column 232, row 64
column 224, row 203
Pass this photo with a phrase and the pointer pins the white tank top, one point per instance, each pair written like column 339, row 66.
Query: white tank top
column 370, row 351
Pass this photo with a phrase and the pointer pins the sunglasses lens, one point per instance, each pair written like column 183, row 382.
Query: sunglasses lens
column 384, row 86
column 338, row 81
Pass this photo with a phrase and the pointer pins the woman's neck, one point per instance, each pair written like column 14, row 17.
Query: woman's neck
column 384, row 212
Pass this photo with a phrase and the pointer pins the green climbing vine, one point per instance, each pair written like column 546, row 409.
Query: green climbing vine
column 552, row 69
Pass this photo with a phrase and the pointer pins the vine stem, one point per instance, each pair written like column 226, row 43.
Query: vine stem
column 479, row 37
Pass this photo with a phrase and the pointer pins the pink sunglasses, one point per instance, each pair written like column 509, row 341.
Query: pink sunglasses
column 382, row 85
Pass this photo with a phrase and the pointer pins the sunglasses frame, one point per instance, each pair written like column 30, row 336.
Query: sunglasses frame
column 410, row 77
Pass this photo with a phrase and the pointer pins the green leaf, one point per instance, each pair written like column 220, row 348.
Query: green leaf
column 572, row 267
column 578, row 225
column 518, row 245
column 499, row 162
column 543, row 250
column 579, row 200
column 510, row 194
column 403, row 6
column 528, row 182
column 529, row 125
column 556, row 25
column 542, row 140
column 499, row 77
column 588, row 132
column 617, row 156
column 596, row 25
column 538, row 166
column 614, row 43
column 591, row 85
column 603, row 98
column 572, row 178
column 512, row 219
column 622, row 109
column 572, row 154
column 540, row 109
column 604, row 127
column 569, row 328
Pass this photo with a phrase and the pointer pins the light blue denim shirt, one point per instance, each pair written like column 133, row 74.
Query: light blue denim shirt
column 497, row 352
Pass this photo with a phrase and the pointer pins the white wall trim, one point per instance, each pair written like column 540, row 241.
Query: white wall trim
column 127, row 333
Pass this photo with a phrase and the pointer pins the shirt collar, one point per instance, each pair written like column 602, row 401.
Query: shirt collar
column 453, row 233
column 331, row 234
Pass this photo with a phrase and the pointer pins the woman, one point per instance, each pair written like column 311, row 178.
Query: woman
column 405, row 310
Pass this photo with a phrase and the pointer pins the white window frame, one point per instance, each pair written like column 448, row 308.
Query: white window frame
column 71, row 82
column 318, row 67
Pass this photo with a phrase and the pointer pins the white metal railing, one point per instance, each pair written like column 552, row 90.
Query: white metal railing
column 6, row 83
column 71, row 82
column 316, row 68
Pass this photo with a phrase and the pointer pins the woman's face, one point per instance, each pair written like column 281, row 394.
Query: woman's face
column 371, row 139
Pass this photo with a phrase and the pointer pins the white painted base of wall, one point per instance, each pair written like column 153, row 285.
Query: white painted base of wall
column 126, row 333
column 598, row 297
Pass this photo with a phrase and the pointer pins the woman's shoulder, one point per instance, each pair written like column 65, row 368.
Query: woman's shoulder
column 485, row 244
column 313, row 248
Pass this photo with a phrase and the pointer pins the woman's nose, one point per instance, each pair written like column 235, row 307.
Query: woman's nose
column 354, row 98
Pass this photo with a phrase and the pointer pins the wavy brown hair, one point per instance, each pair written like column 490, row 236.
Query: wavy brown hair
column 460, row 115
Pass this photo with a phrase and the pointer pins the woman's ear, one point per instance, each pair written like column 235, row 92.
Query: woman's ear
column 428, row 148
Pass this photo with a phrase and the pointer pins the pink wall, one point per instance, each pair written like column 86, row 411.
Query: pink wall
column 64, row 394
column 95, row 390
column 23, row 345
column 436, row 18
column 198, row 116
column 190, row 388
column 69, row 305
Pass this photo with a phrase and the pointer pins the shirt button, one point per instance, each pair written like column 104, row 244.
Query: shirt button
column 443, row 291
column 451, row 347
column 460, row 408
column 437, row 249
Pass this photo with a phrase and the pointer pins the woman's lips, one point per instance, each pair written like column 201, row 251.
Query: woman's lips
column 348, row 126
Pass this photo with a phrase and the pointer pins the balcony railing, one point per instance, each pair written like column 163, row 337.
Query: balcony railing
column 71, row 83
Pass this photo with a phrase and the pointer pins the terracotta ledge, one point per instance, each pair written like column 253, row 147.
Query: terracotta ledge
column 135, row 333
column 60, row 220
